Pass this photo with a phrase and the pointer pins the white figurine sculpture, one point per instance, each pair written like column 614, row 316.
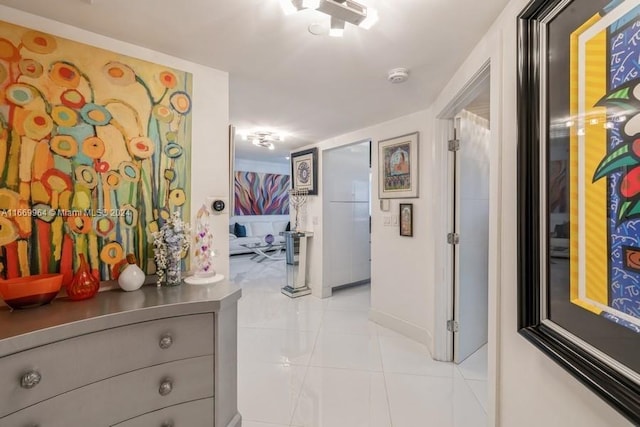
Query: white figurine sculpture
column 203, row 251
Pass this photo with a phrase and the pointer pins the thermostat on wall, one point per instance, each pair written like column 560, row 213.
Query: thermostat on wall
column 218, row 205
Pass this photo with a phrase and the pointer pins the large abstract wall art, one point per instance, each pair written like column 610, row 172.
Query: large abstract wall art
column 261, row 193
column 94, row 154
column 605, row 166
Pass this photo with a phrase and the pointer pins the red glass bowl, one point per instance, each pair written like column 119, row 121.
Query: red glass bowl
column 30, row 291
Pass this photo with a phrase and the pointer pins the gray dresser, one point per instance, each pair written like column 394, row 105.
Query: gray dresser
column 164, row 357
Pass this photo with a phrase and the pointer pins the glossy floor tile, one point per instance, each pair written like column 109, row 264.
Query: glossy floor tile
column 334, row 350
column 474, row 367
column 432, row 401
column 405, row 356
column 269, row 392
column 307, row 362
column 342, row 398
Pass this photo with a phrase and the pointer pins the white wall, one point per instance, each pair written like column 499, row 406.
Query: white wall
column 245, row 165
column 532, row 389
column 402, row 291
column 210, row 118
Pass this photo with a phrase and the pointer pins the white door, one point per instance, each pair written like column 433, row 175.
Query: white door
column 472, row 226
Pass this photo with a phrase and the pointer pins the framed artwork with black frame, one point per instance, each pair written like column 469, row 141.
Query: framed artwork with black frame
column 579, row 191
column 304, row 170
column 406, row 219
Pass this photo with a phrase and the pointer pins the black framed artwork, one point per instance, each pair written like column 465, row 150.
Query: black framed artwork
column 304, row 170
column 579, row 191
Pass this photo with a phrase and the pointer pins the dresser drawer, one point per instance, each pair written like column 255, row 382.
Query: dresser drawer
column 123, row 397
column 191, row 414
column 38, row 374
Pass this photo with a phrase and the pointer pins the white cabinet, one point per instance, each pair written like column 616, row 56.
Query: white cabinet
column 151, row 357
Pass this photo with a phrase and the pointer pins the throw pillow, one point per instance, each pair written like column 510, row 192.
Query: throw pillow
column 232, row 228
column 288, row 226
column 240, row 230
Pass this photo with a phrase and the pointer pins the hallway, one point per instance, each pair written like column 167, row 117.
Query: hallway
column 309, row 363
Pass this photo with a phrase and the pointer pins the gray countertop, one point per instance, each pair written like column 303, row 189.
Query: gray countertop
column 63, row 318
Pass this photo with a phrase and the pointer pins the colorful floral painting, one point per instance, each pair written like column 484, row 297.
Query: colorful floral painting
column 605, row 166
column 94, row 154
column 261, row 193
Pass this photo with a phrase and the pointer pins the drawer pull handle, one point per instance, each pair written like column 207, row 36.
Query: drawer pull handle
column 166, row 341
column 167, row 424
column 165, row 387
column 30, row 379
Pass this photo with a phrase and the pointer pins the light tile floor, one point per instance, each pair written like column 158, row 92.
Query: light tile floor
column 308, row 362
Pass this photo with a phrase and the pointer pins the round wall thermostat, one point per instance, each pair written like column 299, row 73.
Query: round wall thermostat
column 217, row 205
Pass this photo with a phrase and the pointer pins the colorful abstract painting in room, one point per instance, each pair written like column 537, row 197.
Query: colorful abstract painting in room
column 261, row 193
column 94, row 154
column 605, row 165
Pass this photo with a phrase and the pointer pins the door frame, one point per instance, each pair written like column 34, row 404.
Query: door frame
column 445, row 299
column 443, row 340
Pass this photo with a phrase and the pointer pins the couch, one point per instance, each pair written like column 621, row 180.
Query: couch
column 256, row 228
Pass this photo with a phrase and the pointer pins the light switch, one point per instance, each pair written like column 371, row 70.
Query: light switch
column 395, row 220
column 387, row 220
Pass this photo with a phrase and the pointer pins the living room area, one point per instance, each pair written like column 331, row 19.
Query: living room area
column 259, row 212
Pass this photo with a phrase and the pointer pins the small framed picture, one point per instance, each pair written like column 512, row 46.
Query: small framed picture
column 304, row 171
column 406, row 219
column 398, row 167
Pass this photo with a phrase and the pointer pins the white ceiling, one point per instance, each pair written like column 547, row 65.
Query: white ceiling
column 282, row 77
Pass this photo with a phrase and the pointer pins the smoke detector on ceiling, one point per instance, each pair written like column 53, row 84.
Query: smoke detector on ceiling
column 398, row 75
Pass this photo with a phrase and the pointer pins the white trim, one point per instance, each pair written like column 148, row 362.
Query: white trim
column 578, row 124
column 236, row 421
column 443, row 339
column 402, row 327
column 495, row 233
column 443, row 343
column 468, row 93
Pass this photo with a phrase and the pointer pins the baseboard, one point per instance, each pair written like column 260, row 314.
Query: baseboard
column 236, row 421
column 403, row 327
column 350, row 285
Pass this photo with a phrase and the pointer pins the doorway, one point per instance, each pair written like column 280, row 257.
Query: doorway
column 346, row 181
column 466, row 255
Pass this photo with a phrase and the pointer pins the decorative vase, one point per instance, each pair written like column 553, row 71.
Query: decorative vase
column 83, row 285
column 132, row 278
column 172, row 275
column 171, row 243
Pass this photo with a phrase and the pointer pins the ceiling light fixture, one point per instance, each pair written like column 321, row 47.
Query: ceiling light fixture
column 340, row 11
column 264, row 139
